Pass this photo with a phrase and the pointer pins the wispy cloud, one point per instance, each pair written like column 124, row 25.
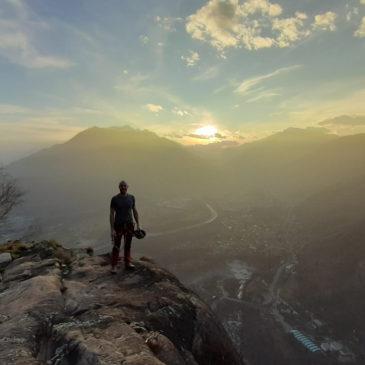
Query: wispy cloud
column 168, row 23
column 351, row 12
column 247, row 85
column 18, row 30
column 28, row 136
column 267, row 94
column 11, row 109
column 208, row 74
column 305, row 110
column 134, row 84
column 144, row 39
column 360, row 32
column 154, row 108
column 345, row 120
column 223, row 138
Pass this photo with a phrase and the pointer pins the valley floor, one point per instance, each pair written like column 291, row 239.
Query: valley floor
column 239, row 259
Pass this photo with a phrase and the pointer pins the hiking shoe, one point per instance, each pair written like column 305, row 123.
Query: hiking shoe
column 129, row 266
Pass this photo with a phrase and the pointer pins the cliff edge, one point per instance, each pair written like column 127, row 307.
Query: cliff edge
column 60, row 306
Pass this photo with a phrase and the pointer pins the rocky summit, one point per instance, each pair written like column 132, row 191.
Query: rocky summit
column 60, row 306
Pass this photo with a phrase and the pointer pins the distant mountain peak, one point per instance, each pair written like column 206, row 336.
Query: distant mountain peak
column 295, row 135
column 305, row 131
column 117, row 135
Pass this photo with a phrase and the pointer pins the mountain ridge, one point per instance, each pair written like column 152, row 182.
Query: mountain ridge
column 127, row 131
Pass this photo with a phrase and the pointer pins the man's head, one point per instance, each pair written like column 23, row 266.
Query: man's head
column 123, row 187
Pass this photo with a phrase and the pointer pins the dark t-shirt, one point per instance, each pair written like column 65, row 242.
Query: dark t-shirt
column 123, row 205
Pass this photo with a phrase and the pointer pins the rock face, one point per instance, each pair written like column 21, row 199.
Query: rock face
column 64, row 307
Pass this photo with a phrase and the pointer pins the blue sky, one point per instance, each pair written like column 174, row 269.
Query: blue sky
column 249, row 68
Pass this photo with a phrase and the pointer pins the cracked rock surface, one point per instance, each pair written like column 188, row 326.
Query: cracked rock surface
column 63, row 307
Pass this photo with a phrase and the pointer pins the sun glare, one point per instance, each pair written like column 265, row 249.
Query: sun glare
column 206, row 131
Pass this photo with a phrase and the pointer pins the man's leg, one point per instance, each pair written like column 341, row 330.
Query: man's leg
column 127, row 250
column 116, row 248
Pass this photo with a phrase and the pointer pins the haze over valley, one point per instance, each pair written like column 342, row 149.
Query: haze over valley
column 269, row 233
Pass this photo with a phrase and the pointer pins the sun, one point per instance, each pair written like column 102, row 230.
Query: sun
column 208, row 131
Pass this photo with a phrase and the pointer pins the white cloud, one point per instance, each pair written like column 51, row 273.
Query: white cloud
column 168, row 23
column 191, row 59
column 252, row 24
column 325, row 21
column 351, row 12
column 360, row 32
column 18, row 29
column 290, row 30
column 265, row 7
column 180, row 112
column 154, row 108
column 247, row 85
column 217, row 22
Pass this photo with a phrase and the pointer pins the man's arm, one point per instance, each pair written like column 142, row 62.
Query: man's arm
column 111, row 219
column 135, row 215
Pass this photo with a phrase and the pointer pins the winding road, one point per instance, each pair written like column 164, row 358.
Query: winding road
column 212, row 217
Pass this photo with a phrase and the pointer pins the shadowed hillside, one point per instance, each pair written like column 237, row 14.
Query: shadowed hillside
column 84, row 172
column 295, row 164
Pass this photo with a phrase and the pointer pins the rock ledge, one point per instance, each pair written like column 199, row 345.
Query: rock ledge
column 63, row 307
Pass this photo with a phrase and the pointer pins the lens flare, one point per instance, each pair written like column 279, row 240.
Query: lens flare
column 208, row 131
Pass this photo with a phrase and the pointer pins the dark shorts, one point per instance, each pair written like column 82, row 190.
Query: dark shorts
column 124, row 228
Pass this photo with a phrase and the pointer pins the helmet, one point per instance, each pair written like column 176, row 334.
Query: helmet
column 139, row 233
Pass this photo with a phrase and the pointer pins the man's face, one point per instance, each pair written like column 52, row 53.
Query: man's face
column 123, row 188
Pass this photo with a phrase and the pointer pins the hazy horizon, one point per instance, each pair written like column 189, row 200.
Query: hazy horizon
column 199, row 141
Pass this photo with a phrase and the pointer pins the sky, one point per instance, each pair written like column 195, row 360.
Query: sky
column 246, row 68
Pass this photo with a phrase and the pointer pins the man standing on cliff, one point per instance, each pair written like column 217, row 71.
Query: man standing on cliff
column 122, row 211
